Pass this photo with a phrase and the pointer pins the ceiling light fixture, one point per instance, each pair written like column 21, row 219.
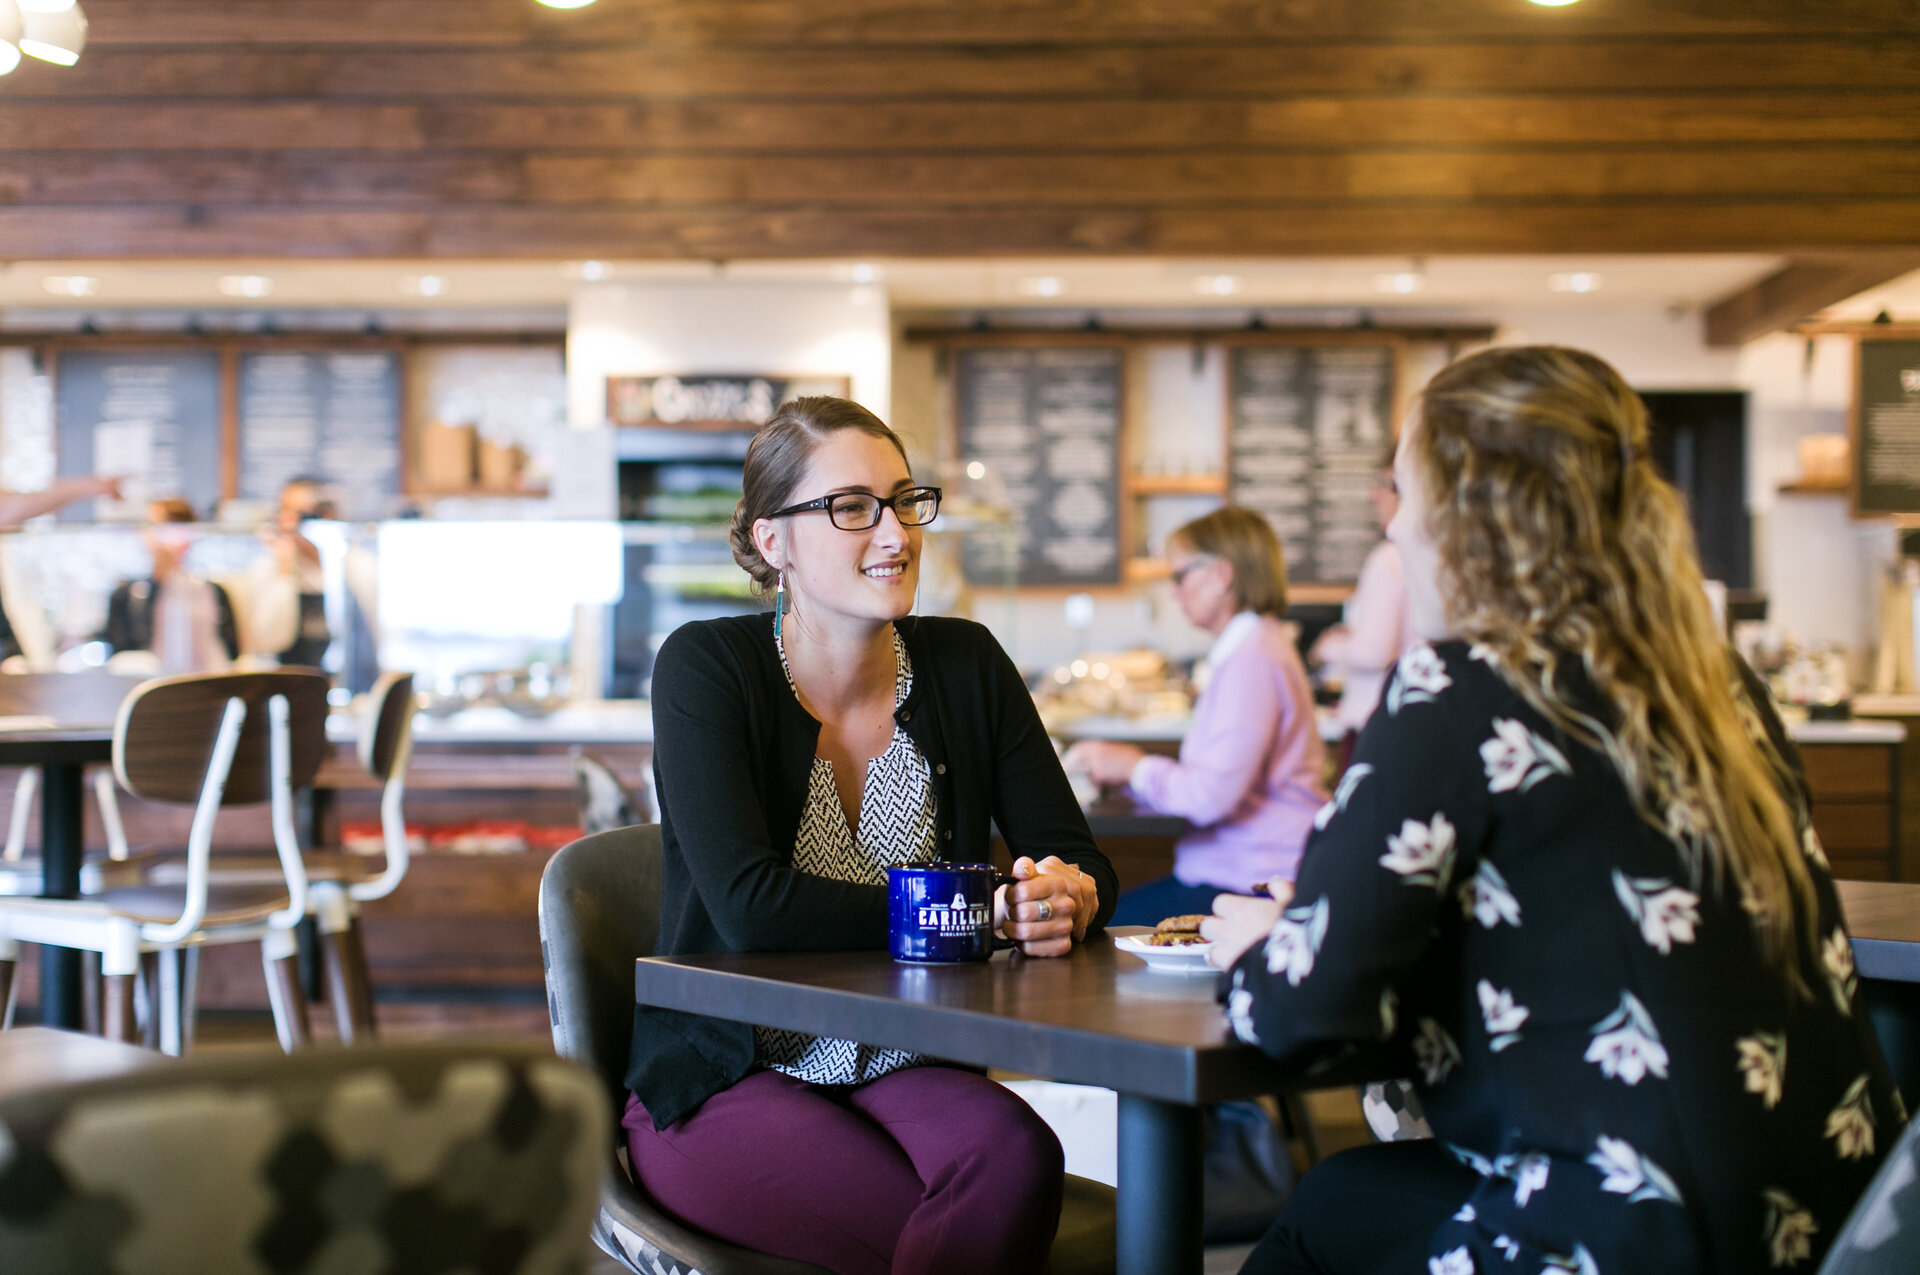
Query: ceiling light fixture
column 51, row 31
column 864, row 272
column 581, row 4
column 1575, row 281
column 244, row 285
column 591, row 271
column 71, row 285
column 1402, row 282
column 1045, row 285
column 428, row 285
column 1216, row 285
column 1553, row 4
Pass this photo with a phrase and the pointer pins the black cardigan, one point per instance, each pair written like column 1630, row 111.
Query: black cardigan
column 732, row 755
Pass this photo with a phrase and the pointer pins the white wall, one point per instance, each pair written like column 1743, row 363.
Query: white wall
column 801, row 329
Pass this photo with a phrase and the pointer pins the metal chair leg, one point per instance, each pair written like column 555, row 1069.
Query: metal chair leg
column 9, row 955
column 282, row 963
column 117, row 1014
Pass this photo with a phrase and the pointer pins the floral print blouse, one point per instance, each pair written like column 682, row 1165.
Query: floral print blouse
column 1588, row 1027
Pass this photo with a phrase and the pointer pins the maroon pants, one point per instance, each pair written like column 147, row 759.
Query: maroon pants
column 930, row 1169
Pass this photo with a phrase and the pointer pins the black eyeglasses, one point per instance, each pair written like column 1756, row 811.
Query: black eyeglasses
column 1180, row 573
column 860, row 510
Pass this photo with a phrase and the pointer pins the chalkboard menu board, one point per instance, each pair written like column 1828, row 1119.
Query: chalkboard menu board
column 1046, row 421
column 151, row 417
column 1886, row 428
column 330, row 415
column 1308, row 426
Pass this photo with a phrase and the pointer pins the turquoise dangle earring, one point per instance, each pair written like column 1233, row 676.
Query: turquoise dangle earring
column 779, row 603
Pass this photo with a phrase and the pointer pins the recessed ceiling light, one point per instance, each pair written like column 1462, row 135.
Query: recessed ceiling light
column 1553, row 4
column 71, row 285
column 244, row 285
column 1402, row 282
column 1216, row 285
column 1044, row 285
column 427, row 285
column 864, row 272
column 592, row 271
column 581, row 4
column 1575, row 281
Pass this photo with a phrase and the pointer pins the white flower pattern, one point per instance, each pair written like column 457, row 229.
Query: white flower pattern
column 1487, row 899
column 1453, row 1262
column 1349, row 780
column 1435, row 1052
column 1503, row 1017
column 1790, row 1229
column 1665, row 913
column 1837, row 955
column 1240, row 1011
column 1627, row 1045
column 1627, row 1172
column 1850, row 1124
column 1422, row 852
column 1763, row 1061
column 1295, row 940
column 1580, row 1261
column 1516, row 758
column 1422, row 675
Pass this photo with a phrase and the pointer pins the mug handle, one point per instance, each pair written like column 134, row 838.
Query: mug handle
column 1000, row 941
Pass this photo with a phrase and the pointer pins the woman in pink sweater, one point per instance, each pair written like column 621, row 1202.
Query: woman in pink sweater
column 1248, row 775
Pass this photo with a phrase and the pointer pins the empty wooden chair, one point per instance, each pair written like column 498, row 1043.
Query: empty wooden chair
column 208, row 741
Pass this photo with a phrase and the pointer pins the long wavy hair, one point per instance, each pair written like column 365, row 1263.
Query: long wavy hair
column 1558, row 539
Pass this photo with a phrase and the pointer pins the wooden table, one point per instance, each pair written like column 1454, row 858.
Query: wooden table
column 1884, row 919
column 83, row 707
column 40, row 1057
column 1098, row 1017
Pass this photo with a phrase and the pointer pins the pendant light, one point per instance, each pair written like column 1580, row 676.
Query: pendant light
column 52, row 34
column 10, row 26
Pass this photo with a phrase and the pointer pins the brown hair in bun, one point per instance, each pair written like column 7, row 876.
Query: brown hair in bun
column 776, row 462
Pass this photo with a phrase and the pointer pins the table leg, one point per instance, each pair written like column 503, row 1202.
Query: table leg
column 1158, row 1226
column 61, row 846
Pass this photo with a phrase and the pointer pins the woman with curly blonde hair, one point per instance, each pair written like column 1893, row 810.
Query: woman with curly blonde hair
column 1570, row 880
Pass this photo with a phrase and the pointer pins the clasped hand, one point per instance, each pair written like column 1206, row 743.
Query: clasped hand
column 1047, row 906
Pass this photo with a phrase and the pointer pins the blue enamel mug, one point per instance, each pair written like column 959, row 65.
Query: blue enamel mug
column 941, row 913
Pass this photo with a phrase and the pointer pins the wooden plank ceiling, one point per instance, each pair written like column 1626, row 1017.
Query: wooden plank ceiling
column 790, row 128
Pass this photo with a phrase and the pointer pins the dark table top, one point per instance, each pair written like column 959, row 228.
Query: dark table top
column 40, row 1058
column 83, row 707
column 1098, row 1017
column 1116, row 814
column 1884, row 919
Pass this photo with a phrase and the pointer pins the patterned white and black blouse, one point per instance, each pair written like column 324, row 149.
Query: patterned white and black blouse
column 1588, row 1027
column 896, row 828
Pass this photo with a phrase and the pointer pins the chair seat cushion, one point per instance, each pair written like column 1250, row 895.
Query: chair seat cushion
column 22, row 876
column 226, row 904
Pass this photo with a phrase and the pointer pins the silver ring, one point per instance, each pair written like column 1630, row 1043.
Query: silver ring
column 1046, row 909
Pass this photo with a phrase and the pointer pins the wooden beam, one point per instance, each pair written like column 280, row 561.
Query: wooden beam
column 1198, row 178
column 1801, row 288
column 641, row 72
column 526, row 232
column 794, row 24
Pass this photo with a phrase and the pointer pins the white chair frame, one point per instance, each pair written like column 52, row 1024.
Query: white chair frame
column 121, row 940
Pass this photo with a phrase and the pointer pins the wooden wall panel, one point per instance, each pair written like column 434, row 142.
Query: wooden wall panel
column 730, row 128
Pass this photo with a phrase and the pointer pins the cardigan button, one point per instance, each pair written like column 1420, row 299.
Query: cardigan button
column 940, row 769
column 905, row 717
column 949, row 834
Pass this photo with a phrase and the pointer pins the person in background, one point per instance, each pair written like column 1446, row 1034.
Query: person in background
column 1375, row 631
column 797, row 757
column 1569, row 882
column 286, row 604
column 186, row 622
column 1248, row 775
column 17, row 507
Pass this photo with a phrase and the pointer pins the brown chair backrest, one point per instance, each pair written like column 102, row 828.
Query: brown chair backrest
column 392, row 711
column 164, row 738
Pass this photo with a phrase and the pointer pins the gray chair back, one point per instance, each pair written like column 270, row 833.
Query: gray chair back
column 1882, row 1234
column 404, row 1157
column 599, row 912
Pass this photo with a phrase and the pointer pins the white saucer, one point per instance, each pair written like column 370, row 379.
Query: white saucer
column 1191, row 959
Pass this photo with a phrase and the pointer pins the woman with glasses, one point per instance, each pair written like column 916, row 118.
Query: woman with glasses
column 1248, row 775
column 797, row 757
column 1569, row 883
